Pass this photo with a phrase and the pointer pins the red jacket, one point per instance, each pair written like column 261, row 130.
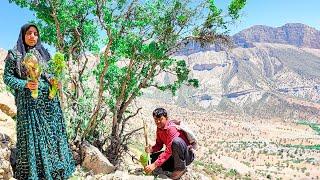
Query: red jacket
column 165, row 137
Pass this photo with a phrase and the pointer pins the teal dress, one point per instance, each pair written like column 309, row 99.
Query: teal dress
column 42, row 146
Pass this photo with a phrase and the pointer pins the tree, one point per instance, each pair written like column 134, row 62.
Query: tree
column 142, row 38
column 145, row 36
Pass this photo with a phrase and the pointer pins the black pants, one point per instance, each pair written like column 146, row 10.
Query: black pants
column 181, row 156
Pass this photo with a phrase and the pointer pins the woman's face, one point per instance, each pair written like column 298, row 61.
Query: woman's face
column 31, row 36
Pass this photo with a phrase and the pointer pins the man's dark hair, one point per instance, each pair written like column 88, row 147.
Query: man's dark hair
column 159, row 112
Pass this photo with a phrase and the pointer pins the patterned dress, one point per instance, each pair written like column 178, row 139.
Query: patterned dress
column 42, row 146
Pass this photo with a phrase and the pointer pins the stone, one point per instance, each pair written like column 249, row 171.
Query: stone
column 7, row 104
column 94, row 160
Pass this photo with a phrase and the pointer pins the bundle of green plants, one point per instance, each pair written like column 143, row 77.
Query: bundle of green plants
column 56, row 67
column 32, row 66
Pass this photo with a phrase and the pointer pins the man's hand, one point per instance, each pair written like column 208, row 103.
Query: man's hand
column 148, row 169
column 148, row 148
column 32, row 85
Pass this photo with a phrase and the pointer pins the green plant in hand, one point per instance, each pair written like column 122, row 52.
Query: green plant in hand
column 57, row 67
column 30, row 62
column 144, row 158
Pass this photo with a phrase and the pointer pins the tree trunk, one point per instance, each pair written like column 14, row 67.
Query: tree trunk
column 113, row 150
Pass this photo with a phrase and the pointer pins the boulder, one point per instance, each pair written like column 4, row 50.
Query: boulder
column 5, row 167
column 8, row 127
column 7, row 104
column 94, row 160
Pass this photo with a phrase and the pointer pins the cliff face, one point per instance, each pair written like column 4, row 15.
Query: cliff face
column 295, row 34
column 267, row 80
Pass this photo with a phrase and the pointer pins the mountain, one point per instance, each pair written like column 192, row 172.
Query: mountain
column 295, row 34
column 275, row 73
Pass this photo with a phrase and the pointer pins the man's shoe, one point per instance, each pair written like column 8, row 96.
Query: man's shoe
column 177, row 174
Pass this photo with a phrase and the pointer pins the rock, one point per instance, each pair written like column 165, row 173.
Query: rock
column 7, row 104
column 8, row 127
column 194, row 175
column 94, row 160
column 125, row 176
column 6, row 170
column 203, row 67
column 3, row 54
column 5, row 167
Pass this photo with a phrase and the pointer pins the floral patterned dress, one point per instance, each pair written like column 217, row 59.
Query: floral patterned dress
column 42, row 146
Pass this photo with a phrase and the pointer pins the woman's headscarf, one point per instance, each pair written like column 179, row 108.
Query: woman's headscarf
column 22, row 48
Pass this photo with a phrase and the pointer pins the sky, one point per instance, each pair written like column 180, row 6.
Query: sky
column 274, row 13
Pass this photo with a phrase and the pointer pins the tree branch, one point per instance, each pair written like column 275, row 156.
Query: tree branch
column 125, row 105
column 60, row 37
column 126, row 119
column 100, row 14
column 93, row 118
column 126, row 136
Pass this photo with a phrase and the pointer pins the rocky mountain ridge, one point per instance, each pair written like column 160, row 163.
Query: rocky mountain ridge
column 295, row 34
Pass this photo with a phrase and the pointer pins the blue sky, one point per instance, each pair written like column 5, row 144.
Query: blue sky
column 273, row 13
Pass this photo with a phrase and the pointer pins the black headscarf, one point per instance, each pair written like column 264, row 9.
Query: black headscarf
column 22, row 47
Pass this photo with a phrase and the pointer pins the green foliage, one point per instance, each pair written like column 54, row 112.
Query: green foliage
column 65, row 23
column 78, row 122
column 312, row 147
column 232, row 173
column 211, row 168
column 144, row 158
column 234, row 8
column 314, row 126
column 57, row 66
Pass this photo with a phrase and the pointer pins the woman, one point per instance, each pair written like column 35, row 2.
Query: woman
column 42, row 146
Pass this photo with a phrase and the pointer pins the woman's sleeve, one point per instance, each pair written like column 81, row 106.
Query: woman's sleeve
column 9, row 77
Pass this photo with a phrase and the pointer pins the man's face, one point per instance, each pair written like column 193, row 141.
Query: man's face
column 160, row 122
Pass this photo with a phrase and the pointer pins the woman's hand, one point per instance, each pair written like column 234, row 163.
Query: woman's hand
column 55, row 82
column 32, row 85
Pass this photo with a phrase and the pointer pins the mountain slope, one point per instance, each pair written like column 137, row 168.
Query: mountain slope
column 267, row 80
column 296, row 34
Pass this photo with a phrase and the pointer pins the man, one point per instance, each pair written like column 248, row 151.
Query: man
column 178, row 153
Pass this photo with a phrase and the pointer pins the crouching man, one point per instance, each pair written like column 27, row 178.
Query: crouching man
column 178, row 153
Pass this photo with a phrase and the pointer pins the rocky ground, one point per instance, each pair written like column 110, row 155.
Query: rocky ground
column 230, row 146
column 238, row 146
